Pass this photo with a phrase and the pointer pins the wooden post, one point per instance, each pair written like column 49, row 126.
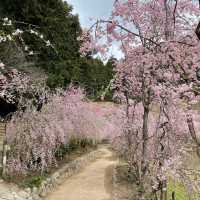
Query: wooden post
column 3, row 147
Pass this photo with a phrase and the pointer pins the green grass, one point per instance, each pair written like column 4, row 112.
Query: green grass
column 34, row 181
column 181, row 192
column 179, row 189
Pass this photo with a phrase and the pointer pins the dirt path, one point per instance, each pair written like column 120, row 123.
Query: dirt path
column 93, row 183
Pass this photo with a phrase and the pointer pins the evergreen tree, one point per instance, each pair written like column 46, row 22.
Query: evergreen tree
column 52, row 18
column 63, row 64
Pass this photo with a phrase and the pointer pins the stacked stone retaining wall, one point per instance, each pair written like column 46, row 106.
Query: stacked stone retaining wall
column 8, row 192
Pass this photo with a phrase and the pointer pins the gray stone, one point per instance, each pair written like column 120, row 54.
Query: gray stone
column 50, row 183
column 23, row 194
column 28, row 190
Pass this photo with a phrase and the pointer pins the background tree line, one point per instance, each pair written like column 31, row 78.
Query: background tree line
column 63, row 63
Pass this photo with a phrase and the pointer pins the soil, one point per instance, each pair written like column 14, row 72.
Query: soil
column 93, row 183
column 125, row 188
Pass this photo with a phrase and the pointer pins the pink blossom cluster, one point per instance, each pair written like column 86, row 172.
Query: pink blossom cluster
column 12, row 83
column 35, row 136
column 161, row 68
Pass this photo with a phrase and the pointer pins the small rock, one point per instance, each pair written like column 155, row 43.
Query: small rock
column 28, row 190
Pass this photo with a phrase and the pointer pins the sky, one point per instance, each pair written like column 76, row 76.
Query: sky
column 87, row 9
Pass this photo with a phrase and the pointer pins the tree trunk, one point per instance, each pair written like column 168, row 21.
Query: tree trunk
column 163, row 193
column 193, row 133
column 146, row 102
column 198, row 31
column 145, row 139
column 173, row 196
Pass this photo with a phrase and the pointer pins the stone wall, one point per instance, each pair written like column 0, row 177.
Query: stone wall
column 48, row 185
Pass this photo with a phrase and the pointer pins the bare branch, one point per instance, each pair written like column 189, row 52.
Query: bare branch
column 174, row 13
column 127, row 30
column 23, row 23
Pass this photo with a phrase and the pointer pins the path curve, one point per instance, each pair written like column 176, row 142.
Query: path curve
column 93, row 183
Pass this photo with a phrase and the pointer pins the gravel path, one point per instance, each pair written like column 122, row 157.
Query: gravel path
column 93, row 183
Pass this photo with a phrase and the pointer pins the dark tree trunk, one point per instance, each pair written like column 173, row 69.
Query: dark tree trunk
column 145, row 136
column 198, row 31
column 173, row 196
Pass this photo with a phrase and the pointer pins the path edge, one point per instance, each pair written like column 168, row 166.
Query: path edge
column 57, row 178
column 64, row 173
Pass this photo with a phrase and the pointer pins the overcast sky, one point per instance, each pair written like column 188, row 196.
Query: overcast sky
column 91, row 8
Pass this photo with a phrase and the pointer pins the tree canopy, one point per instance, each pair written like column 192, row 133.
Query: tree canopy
column 55, row 21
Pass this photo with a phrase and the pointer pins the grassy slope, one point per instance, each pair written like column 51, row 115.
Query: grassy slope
column 180, row 191
column 193, row 162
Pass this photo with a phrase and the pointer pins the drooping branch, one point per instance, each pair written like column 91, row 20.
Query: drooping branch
column 139, row 35
column 22, row 23
column 125, row 29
